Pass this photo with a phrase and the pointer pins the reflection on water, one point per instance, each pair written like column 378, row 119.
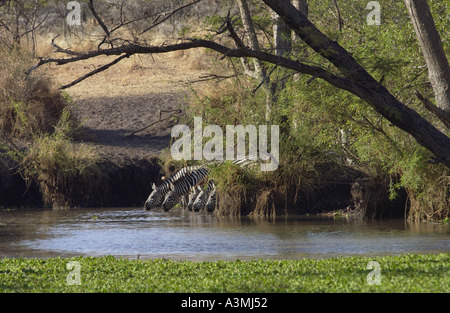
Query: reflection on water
column 134, row 233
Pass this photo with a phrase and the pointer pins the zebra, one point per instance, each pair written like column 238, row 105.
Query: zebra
column 186, row 200
column 160, row 193
column 192, row 196
column 156, row 197
column 202, row 198
column 183, row 186
column 212, row 201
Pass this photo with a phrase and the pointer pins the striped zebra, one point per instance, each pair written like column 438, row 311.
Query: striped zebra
column 188, row 199
column 165, row 191
column 212, row 201
column 156, row 197
column 182, row 186
column 203, row 196
column 192, row 196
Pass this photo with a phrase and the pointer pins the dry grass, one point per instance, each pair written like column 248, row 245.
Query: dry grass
column 29, row 105
column 32, row 108
column 433, row 203
column 65, row 172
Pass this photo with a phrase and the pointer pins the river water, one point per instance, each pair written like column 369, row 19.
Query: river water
column 179, row 235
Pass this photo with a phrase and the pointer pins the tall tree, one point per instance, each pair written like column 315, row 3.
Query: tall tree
column 361, row 83
column 302, row 7
column 259, row 72
column 433, row 52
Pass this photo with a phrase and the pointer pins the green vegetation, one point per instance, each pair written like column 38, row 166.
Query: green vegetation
column 331, row 138
column 34, row 111
column 406, row 273
column 65, row 172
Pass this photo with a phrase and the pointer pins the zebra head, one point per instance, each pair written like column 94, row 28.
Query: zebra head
column 155, row 198
column 200, row 201
column 193, row 196
column 171, row 198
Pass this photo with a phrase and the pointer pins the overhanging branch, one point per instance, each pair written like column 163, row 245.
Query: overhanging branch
column 131, row 49
column 98, row 70
column 166, row 16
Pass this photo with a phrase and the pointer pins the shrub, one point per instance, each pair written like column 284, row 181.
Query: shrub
column 29, row 104
column 67, row 173
column 34, row 110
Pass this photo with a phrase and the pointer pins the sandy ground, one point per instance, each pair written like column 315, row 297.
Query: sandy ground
column 128, row 97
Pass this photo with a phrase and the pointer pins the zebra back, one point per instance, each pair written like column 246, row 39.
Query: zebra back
column 156, row 197
column 183, row 186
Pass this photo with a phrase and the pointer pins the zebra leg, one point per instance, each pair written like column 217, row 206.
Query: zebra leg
column 184, row 202
column 211, row 203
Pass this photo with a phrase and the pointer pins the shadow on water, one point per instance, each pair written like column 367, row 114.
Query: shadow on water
column 135, row 233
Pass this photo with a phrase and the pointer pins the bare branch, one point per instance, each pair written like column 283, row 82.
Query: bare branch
column 265, row 78
column 34, row 27
column 338, row 13
column 167, row 15
column 209, row 77
column 98, row 70
column 97, row 17
column 131, row 49
column 59, row 49
column 235, row 36
column 444, row 116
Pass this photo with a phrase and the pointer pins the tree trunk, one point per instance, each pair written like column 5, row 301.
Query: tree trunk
column 259, row 71
column 433, row 52
column 362, row 84
column 281, row 35
column 250, row 32
column 302, row 6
